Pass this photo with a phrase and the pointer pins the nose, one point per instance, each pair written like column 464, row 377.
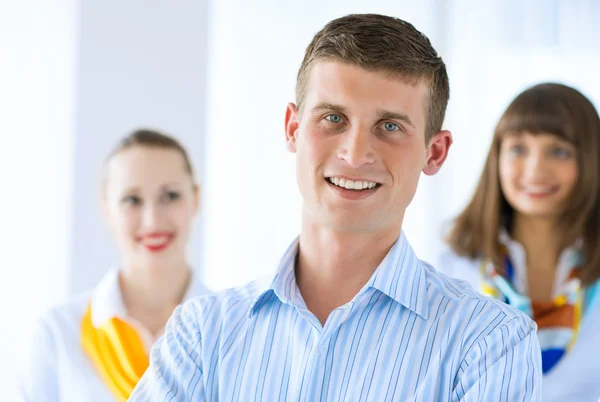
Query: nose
column 535, row 161
column 357, row 148
column 536, row 166
column 151, row 217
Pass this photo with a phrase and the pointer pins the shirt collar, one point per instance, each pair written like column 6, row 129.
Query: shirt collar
column 107, row 300
column 569, row 258
column 283, row 283
column 400, row 276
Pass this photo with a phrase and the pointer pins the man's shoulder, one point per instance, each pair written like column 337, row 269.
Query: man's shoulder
column 447, row 285
column 470, row 307
column 227, row 304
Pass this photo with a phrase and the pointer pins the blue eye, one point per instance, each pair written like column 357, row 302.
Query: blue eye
column 171, row 196
column 517, row 150
column 334, row 118
column 389, row 126
column 132, row 200
column 560, row 153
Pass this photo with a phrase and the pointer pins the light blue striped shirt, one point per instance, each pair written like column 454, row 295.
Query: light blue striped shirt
column 410, row 334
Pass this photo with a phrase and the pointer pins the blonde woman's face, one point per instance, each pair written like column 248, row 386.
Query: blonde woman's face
column 537, row 173
column 150, row 200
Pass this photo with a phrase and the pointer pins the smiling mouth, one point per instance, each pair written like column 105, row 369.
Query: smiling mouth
column 355, row 185
column 539, row 191
column 156, row 242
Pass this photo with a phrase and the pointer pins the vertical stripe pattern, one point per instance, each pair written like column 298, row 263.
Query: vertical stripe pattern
column 410, row 334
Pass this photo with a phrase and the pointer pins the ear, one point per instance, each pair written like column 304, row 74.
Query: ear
column 437, row 152
column 291, row 127
column 197, row 197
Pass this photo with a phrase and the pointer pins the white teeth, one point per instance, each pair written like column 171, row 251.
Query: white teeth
column 351, row 184
column 538, row 190
column 155, row 241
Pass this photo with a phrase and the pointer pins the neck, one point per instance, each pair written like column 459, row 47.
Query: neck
column 542, row 243
column 334, row 265
column 150, row 293
column 536, row 234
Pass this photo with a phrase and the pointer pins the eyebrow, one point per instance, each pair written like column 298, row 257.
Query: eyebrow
column 321, row 106
column 130, row 190
column 170, row 184
column 385, row 114
column 167, row 186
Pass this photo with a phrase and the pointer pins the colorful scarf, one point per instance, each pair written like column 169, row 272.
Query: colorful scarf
column 558, row 320
column 117, row 352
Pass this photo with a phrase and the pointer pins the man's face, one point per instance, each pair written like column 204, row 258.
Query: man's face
column 360, row 146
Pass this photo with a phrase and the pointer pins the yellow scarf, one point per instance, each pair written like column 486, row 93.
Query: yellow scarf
column 117, row 351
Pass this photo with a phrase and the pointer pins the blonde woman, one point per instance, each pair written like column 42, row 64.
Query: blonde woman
column 95, row 347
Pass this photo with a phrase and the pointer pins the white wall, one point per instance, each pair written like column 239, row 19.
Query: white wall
column 37, row 100
column 497, row 50
column 76, row 75
column 252, row 205
column 141, row 63
column 493, row 50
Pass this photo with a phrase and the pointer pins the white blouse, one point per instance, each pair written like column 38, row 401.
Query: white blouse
column 58, row 368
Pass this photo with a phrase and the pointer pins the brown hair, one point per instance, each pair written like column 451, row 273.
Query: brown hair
column 545, row 108
column 381, row 43
column 153, row 139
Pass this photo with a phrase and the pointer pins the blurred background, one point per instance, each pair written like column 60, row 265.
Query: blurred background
column 77, row 75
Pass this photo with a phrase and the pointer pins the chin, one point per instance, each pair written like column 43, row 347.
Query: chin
column 166, row 257
column 538, row 207
column 344, row 224
column 540, row 213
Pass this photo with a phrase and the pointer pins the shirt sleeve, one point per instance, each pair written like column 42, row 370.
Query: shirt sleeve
column 175, row 371
column 38, row 379
column 505, row 365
